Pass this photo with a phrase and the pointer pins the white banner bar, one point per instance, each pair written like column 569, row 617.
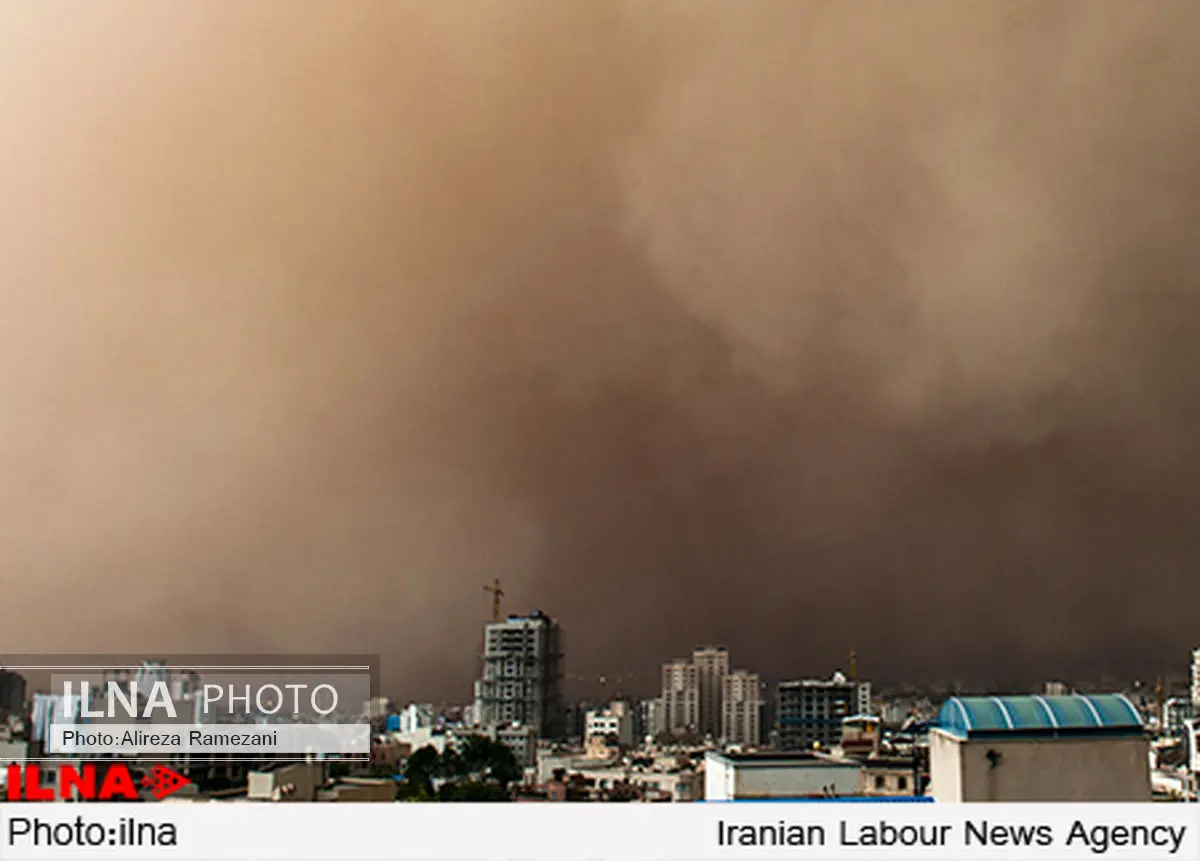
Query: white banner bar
column 205, row 739
column 223, row 831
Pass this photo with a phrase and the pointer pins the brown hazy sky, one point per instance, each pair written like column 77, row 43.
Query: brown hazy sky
column 797, row 326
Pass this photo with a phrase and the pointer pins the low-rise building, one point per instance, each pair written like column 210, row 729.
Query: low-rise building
column 1176, row 713
column 359, row 789
column 887, row 777
column 1070, row 748
column 861, row 736
column 292, row 781
column 614, row 722
column 414, row 717
column 766, row 775
column 521, row 739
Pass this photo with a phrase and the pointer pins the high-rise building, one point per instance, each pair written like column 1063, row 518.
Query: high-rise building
column 680, row 697
column 741, row 719
column 652, row 721
column 1196, row 677
column 522, row 675
column 712, row 666
column 863, row 704
column 810, row 711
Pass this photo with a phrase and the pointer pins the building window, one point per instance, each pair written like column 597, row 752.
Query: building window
column 902, row 783
column 879, row 782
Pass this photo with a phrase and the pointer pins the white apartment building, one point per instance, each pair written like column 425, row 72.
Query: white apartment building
column 862, row 695
column 742, row 704
column 680, row 696
column 416, row 716
column 712, row 666
column 616, row 720
column 1196, row 677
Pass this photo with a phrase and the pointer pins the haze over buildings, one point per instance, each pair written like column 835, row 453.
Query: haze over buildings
column 691, row 320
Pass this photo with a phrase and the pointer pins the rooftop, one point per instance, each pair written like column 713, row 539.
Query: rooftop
column 771, row 757
column 1111, row 714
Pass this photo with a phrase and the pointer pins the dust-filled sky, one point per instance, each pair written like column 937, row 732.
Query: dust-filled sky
column 795, row 326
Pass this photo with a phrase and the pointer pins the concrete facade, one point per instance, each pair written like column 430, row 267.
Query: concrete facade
column 729, row 777
column 616, row 721
column 1077, row 748
column 809, row 712
column 522, row 675
column 1196, row 677
column 742, row 704
column 1082, row 769
column 887, row 778
column 712, row 666
column 681, row 697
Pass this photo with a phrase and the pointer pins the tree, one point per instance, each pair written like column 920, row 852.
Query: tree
column 482, row 755
column 451, row 765
column 502, row 765
column 419, row 771
column 476, row 753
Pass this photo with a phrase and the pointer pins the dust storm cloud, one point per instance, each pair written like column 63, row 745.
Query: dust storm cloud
column 795, row 326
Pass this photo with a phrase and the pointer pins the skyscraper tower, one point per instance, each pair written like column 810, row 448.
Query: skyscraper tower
column 522, row 674
column 712, row 666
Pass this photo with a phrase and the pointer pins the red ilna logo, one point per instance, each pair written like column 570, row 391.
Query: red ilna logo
column 115, row 784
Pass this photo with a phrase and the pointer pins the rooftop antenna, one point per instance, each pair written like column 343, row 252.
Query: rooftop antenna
column 497, row 594
column 853, row 666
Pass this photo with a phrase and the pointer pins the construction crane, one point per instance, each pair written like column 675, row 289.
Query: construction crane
column 497, row 594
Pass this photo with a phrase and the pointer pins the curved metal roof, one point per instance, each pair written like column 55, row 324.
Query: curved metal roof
column 1105, row 712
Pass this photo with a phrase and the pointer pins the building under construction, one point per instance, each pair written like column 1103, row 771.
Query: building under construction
column 522, row 675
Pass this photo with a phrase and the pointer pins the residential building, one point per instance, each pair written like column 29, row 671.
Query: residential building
column 1176, row 714
column 1045, row 749
column 415, row 716
column 359, row 789
column 887, row 776
column 712, row 666
column 522, row 675
column 616, row 722
column 810, row 711
column 291, row 781
column 861, row 736
column 681, row 697
column 653, row 719
column 522, row 740
column 1196, row 677
column 862, row 692
column 741, row 719
column 771, row 775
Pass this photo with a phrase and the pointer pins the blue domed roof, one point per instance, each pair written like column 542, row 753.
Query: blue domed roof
column 1106, row 713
